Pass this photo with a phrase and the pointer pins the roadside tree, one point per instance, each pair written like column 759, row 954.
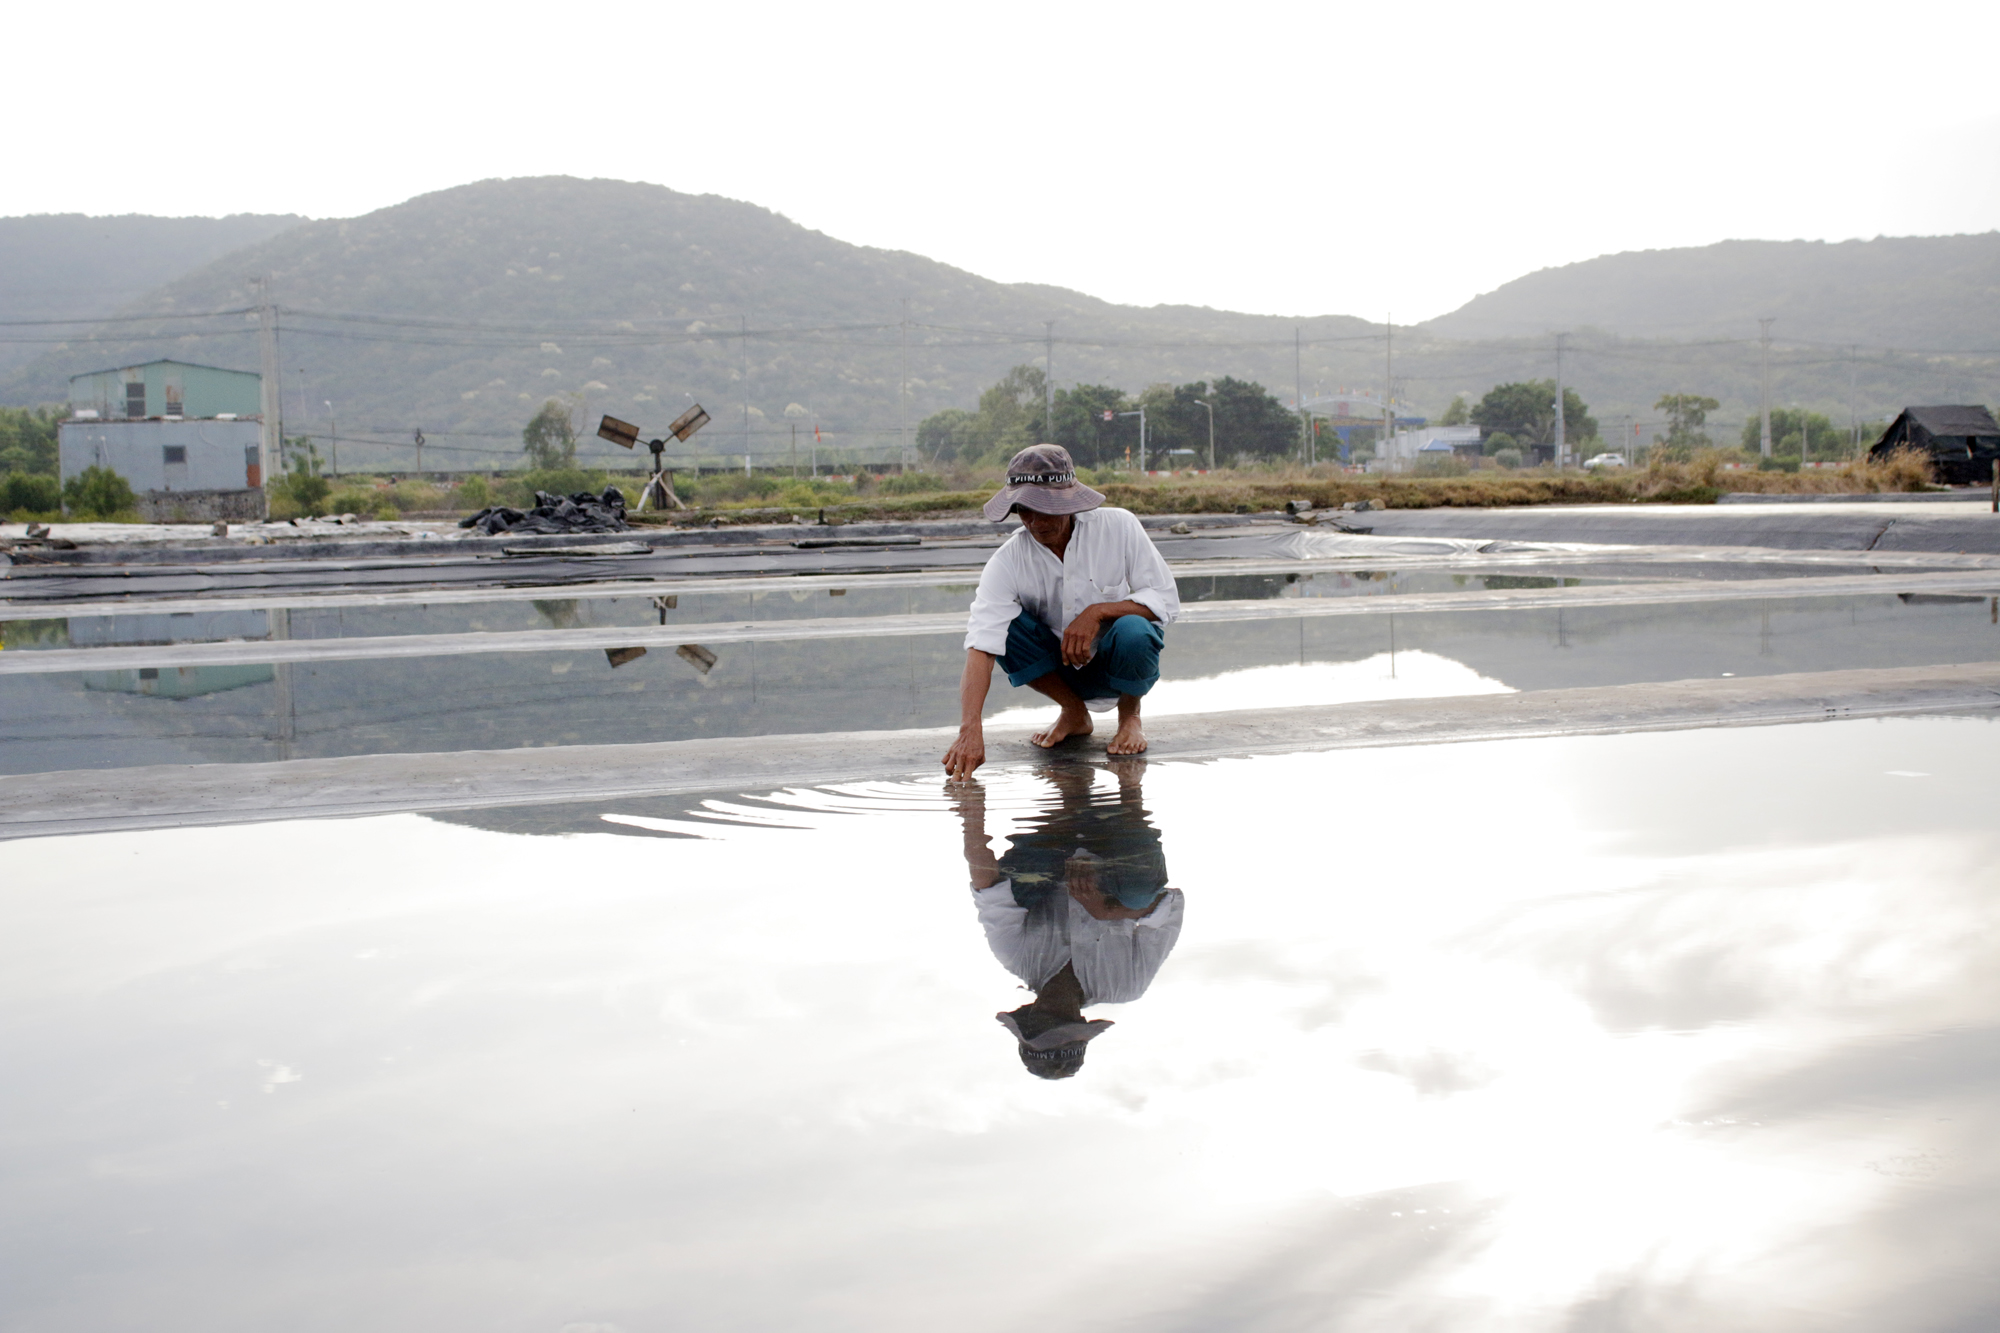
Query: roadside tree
column 1008, row 420
column 1526, row 410
column 1793, row 427
column 1081, row 428
column 947, row 436
column 28, row 439
column 1249, row 420
column 549, row 438
column 1686, row 413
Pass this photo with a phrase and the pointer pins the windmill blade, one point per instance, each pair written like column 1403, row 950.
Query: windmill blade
column 621, row 433
column 688, row 422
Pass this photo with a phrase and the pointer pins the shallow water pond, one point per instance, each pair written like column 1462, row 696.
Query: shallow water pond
column 491, row 700
column 1685, row 1030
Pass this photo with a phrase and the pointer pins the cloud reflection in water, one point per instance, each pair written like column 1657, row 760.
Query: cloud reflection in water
column 1656, row 1031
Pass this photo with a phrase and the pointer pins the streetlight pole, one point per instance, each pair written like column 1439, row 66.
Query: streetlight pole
column 1211, row 432
column 1562, row 436
column 332, row 439
column 1141, row 414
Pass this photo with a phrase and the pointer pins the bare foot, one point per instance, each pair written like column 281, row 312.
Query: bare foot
column 1129, row 739
column 1070, row 722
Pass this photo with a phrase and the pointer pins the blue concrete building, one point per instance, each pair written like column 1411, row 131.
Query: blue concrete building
column 187, row 437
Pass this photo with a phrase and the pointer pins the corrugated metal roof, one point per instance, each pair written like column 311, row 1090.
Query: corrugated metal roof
column 158, row 361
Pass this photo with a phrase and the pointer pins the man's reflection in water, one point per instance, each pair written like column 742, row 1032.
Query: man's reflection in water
column 1078, row 908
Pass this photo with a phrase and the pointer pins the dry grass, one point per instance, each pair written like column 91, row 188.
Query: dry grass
column 1904, row 470
column 1698, row 481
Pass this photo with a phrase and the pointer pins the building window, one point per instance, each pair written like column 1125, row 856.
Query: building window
column 175, row 453
column 173, row 400
column 135, row 400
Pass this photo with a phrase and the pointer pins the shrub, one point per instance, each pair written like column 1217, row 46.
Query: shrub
column 1508, row 457
column 519, row 490
column 98, row 492
column 473, row 493
column 299, row 494
column 728, row 488
column 912, row 483
column 408, row 495
column 362, row 504
column 1443, row 465
column 29, row 493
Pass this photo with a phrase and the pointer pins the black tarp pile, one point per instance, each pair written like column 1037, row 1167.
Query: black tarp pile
column 556, row 515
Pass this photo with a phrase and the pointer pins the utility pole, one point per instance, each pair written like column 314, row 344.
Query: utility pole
column 1853, row 414
column 1562, row 435
column 903, row 384
column 1211, row 430
column 1299, row 397
column 1049, row 383
column 743, row 327
column 332, row 440
column 1388, row 379
column 1764, row 379
column 795, row 450
column 270, row 439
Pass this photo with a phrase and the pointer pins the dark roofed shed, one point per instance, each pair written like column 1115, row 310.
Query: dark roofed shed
column 1962, row 440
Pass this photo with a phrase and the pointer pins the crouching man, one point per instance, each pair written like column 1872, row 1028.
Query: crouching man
column 1074, row 606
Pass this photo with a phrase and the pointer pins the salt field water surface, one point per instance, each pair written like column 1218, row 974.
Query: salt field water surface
column 463, row 695
column 1675, row 1030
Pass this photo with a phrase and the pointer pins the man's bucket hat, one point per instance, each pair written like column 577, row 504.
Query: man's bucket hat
column 1042, row 478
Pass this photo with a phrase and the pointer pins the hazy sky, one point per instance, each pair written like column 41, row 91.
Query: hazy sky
column 1281, row 158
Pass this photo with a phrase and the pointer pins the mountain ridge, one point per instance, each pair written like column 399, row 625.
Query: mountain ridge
column 1931, row 292
column 75, row 265
column 459, row 311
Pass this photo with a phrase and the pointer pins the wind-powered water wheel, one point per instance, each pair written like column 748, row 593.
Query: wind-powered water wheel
column 659, row 492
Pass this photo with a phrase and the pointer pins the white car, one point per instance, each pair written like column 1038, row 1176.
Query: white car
column 1605, row 460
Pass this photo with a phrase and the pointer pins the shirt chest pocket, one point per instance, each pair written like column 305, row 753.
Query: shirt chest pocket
column 1088, row 591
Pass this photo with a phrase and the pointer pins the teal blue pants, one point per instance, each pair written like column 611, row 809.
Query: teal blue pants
column 1127, row 660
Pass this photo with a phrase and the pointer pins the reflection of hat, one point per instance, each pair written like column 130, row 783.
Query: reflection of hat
column 1042, row 478
column 1063, row 1034
column 1055, row 1052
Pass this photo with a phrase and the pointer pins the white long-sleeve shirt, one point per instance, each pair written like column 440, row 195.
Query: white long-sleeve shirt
column 1115, row 961
column 1109, row 559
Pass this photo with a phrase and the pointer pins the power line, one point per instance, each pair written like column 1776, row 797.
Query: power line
column 649, row 333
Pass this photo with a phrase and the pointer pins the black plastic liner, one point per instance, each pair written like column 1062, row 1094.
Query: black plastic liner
column 556, row 515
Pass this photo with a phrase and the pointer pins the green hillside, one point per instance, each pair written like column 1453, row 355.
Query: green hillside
column 1937, row 292
column 66, row 265
column 460, row 312
column 484, row 300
